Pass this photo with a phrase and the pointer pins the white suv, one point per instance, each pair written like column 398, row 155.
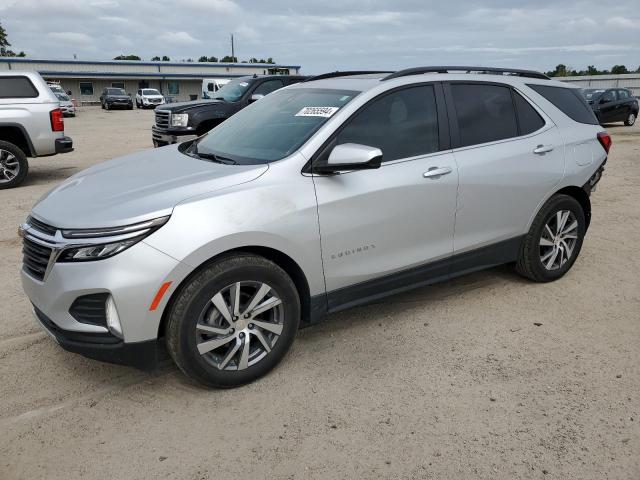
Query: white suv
column 148, row 97
column 323, row 195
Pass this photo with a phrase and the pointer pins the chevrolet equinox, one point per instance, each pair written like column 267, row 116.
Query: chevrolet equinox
column 323, row 195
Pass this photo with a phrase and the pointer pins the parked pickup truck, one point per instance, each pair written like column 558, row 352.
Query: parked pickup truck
column 31, row 124
column 181, row 121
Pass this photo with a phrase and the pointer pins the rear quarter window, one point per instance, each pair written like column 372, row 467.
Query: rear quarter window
column 17, row 87
column 569, row 100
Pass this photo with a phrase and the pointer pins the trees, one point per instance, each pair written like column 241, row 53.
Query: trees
column 155, row 59
column 127, row 57
column 204, row 58
column 165, row 58
column 564, row 71
column 4, row 43
column 618, row 69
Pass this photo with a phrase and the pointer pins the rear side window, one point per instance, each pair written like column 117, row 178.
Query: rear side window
column 402, row 124
column 623, row 94
column 570, row 101
column 529, row 120
column 17, row 87
column 485, row 113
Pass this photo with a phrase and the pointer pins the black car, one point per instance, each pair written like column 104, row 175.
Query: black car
column 612, row 104
column 200, row 116
column 116, row 98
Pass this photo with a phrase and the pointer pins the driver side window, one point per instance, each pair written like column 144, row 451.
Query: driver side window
column 402, row 124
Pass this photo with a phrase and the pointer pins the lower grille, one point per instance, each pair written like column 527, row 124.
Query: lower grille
column 69, row 336
column 35, row 258
column 162, row 118
column 90, row 309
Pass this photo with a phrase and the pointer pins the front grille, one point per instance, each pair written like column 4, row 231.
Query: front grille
column 90, row 309
column 162, row 118
column 42, row 227
column 35, row 258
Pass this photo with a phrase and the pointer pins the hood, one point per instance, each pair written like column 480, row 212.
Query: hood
column 152, row 96
column 136, row 187
column 186, row 106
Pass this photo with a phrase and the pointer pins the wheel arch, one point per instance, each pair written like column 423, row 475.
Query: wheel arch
column 16, row 134
column 583, row 199
column 284, row 261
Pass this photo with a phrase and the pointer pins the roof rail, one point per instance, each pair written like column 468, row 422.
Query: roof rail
column 448, row 69
column 344, row 74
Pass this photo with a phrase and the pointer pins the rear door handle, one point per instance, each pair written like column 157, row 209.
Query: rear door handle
column 436, row 172
column 541, row 149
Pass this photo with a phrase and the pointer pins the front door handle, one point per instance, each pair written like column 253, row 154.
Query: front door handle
column 436, row 172
column 542, row 149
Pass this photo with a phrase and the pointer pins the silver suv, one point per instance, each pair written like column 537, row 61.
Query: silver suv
column 323, row 195
column 31, row 124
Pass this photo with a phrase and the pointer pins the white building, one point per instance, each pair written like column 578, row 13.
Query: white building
column 179, row 81
column 630, row 81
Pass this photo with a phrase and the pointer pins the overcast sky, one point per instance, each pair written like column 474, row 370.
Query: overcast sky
column 334, row 34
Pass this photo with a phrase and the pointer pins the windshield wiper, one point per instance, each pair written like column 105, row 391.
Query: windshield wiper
column 216, row 158
column 192, row 151
column 219, row 98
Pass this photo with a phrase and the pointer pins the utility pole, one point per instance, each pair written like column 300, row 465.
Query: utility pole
column 233, row 52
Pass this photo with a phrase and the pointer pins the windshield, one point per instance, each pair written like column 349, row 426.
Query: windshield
column 232, row 91
column 115, row 91
column 150, row 91
column 273, row 127
column 592, row 93
column 62, row 96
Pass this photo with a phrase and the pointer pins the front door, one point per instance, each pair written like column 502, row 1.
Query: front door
column 379, row 227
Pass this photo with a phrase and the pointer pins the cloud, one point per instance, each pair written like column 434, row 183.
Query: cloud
column 623, row 22
column 209, row 6
column 71, row 38
column 177, row 38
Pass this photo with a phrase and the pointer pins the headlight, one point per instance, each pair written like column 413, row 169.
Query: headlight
column 101, row 243
column 179, row 119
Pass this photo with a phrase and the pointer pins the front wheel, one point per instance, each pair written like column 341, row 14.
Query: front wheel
column 13, row 165
column 233, row 321
column 554, row 240
column 630, row 120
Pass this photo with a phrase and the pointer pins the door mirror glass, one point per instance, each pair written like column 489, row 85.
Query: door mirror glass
column 255, row 97
column 351, row 156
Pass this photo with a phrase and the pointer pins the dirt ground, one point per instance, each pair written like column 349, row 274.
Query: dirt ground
column 488, row 376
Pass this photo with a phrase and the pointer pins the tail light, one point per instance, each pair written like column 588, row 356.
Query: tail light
column 605, row 140
column 57, row 120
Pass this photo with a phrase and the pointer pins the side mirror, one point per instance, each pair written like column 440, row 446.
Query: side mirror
column 69, row 92
column 255, row 97
column 351, row 156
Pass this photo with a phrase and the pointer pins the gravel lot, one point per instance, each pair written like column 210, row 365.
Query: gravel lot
column 488, row 376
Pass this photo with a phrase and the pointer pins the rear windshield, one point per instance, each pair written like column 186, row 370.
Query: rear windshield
column 275, row 126
column 62, row 96
column 570, row 101
column 17, row 87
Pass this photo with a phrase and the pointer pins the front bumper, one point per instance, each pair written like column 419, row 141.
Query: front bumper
column 103, row 347
column 168, row 137
column 64, row 145
column 132, row 278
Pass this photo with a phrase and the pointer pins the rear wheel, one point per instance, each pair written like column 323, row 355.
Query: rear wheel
column 233, row 321
column 13, row 165
column 630, row 120
column 554, row 240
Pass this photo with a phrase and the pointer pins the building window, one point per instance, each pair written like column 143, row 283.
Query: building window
column 173, row 87
column 86, row 88
column 117, row 85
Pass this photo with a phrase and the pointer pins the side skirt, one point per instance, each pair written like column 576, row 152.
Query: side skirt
column 347, row 297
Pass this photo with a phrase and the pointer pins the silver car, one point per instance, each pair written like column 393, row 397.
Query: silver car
column 323, row 195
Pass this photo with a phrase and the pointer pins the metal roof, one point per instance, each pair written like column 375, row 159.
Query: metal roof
column 145, row 63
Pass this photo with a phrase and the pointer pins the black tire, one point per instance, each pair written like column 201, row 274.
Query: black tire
column 529, row 263
column 631, row 119
column 20, row 158
column 194, row 297
column 130, row 107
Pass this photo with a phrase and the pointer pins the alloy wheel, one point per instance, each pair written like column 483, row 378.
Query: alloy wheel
column 631, row 119
column 558, row 240
column 9, row 166
column 240, row 325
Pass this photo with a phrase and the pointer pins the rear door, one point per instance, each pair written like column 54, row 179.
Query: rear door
column 387, row 228
column 624, row 105
column 509, row 156
column 608, row 106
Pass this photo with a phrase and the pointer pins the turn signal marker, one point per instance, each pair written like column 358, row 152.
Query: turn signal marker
column 158, row 298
